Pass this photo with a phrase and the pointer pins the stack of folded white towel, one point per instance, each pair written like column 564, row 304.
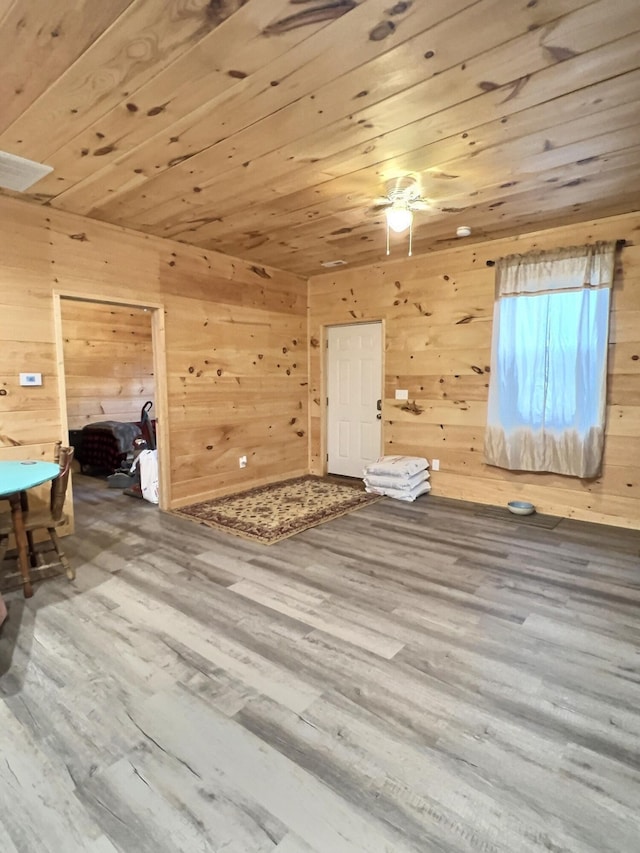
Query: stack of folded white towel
column 400, row 477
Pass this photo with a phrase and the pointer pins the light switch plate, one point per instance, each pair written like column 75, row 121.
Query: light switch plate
column 402, row 394
column 31, row 379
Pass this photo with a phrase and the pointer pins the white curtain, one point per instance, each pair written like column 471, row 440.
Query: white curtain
column 547, row 391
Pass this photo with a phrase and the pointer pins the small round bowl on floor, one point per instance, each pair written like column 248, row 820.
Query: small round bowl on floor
column 521, row 507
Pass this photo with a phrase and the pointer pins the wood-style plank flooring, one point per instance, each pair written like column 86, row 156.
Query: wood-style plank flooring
column 425, row 677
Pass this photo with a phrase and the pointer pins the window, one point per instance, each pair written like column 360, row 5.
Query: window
column 549, row 362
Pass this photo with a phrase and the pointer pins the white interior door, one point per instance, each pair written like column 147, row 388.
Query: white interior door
column 354, row 385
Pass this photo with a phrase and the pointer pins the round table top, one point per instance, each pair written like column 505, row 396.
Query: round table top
column 17, row 476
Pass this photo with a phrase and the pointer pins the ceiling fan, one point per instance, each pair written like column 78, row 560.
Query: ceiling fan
column 403, row 197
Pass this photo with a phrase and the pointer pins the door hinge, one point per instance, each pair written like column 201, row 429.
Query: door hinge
column 327, row 457
column 327, row 401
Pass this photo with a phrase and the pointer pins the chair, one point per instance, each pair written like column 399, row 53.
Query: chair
column 24, row 501
column 48, row 520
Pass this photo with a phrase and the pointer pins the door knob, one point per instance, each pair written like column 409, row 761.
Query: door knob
column 379, row 416
column 379, row 405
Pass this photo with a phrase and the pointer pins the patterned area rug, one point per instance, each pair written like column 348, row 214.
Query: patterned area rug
column 271, row 513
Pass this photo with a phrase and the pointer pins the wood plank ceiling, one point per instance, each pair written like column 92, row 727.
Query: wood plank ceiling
column 265, row 128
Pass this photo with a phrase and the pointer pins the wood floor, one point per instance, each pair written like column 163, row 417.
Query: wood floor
column 425, row 677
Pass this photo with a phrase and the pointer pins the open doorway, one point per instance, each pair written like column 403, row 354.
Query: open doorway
column 111, row 363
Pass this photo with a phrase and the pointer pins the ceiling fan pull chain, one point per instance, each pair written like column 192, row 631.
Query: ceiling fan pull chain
column 388, row 237
column 410, row 237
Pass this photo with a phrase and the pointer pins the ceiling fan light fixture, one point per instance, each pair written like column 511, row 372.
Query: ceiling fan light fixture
column 399, row 218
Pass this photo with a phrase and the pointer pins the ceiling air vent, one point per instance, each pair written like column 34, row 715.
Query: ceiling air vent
column 330, row 264
column 19, row 174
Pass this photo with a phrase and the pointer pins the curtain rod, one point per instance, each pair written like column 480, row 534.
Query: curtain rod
column 620, row 244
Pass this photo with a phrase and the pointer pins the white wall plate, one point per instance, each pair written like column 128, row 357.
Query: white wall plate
column 31, row 379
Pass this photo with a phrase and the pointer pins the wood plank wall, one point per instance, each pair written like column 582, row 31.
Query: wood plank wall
column 437, row 311
column 236, row 346
column 108, row 361
column 236, row 355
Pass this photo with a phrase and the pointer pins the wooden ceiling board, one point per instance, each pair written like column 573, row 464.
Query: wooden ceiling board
column 440, row 90
column 563, row 177
column 545, row 140
column 580, row 115
column 147, row 37
column 385, row 90
column 580, row 120
column 266, row 130
column 305, row 203
column 385, row 117
column 253, row 120
column 558, row 199
column 42, row 40
column 240, row 68
column 178, row 97
column 544, row 210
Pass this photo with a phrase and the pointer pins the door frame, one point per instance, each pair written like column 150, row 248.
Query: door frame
column 157, row 314
column 324, row 382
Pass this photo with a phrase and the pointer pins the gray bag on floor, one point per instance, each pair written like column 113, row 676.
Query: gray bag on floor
column 120, row 480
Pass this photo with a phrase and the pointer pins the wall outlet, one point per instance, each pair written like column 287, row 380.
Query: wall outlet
column 402, row 394
column 242, row 461
column 435, row 464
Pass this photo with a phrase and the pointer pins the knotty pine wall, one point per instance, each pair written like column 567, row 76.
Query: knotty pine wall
column 437, row 311
column 108, row 361
column 236, row 347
